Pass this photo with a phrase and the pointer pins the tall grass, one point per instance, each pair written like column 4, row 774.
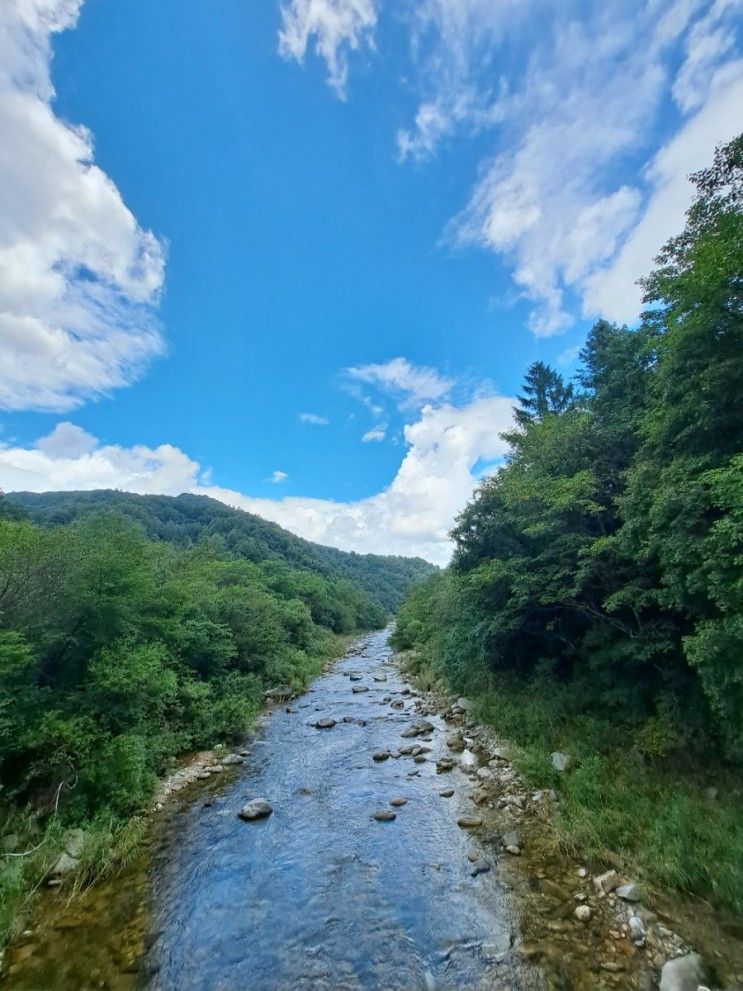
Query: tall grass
column 654, row 814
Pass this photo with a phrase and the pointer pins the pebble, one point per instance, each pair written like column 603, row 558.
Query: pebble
column 381, row 755
column 325, row 723
column 583, row 913
column 384, row 815
column 469, row 822
column 398, row 801
column 480, row 867
column 447, row 793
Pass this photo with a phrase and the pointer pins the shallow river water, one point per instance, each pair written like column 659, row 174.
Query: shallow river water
column 320, row 895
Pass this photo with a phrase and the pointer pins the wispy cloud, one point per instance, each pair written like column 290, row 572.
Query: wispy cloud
column 78, row 275
column 412, row 385
column 375, row 434
column 334, row 27
column 277, row 477
column 595, row 111
column 314, row 419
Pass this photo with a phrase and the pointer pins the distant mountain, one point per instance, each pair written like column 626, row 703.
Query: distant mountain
column 186, row 519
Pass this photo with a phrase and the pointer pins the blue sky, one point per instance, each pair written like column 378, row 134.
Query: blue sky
column 299, row 257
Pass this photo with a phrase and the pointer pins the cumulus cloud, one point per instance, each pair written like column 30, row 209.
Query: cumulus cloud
column 78, row 275
column 445, row 447
column 411, row 384
column 314, row 419
column 277, row 477
column 70, row 458
column 335, row 27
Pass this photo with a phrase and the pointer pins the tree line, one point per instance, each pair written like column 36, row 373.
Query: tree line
column 606, row 554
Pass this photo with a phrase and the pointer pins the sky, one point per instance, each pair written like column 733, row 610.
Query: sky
column 298, row 256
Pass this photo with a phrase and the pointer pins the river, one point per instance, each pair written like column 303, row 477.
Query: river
column 320, row 895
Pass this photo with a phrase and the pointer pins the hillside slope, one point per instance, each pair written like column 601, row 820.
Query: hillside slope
column 185, row 519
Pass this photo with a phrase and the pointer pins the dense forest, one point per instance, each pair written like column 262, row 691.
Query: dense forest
column 595, row 597
column 119, row 651
column 186, row 519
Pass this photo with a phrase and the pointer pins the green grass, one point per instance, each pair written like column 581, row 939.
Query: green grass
column 652, row 814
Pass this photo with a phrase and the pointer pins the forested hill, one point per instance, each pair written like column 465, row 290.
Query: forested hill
column 185, row 520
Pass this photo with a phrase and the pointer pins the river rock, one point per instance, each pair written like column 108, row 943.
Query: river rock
column 325, row 723
column 683, row 973
column 628, row 892
column 380, row 677
column 560, row 761
column 359, row 689
column 469, row 822
column 355, row 677
column 258, row 808
column 381, row 755
column 510, row 839
column 583, row 913
column 607, row 882
column 232, row 759
column 455, row 742
column 637, row 930
column 74, row 842
column 398, row 801
column 464, row 704
column 480, row 866
column 444, row 764
column 447, row 793
column 384, row 815
column 64, row 865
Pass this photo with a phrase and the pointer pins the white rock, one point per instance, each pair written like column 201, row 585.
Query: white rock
column 258, row 808
column 560, row 761
column 583, row 913
column 682, row 974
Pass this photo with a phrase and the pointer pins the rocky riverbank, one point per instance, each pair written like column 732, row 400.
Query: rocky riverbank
column 571, row 911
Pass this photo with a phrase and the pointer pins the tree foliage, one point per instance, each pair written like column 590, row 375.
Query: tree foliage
column 118, row 652
column 608, row 552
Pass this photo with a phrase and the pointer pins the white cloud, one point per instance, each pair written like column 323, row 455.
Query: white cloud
column 314, row 419
column 78, row 275
column 588, row 102
column 413, row 385
column 69, row 458
column 613, row 291
column 336, row 27
column 445, row 446
column 277, row 477
column 67, row 441
column 375, row 434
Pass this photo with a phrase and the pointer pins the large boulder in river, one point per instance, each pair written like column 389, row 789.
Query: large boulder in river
column 683, row 973
column 257, row 808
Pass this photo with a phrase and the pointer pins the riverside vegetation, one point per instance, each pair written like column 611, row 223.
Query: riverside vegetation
column 594, row 604
column 133, row 629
